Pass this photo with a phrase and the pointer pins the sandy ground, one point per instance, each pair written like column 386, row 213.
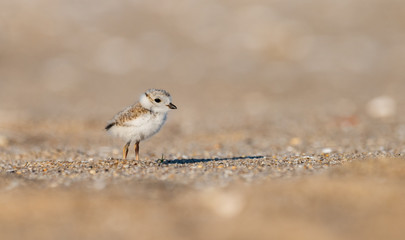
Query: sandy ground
column 290, row 120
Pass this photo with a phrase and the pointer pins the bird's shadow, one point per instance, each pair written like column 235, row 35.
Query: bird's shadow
column 198, row 160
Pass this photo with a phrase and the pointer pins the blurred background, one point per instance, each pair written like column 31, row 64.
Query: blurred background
column 297, row 86
column 232, row 61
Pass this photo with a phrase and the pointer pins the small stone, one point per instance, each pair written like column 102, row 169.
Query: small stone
column 4, row 141
column 224, row 204
column 381, row 107
column 295, row 141
column 326, row 150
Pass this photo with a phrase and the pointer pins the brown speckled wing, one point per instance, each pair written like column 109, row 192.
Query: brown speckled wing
column 126, row 115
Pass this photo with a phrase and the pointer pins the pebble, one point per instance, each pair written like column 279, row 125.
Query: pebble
column 381, row 107
column 4, row 141
column 223, row 204
column 326, row 150
column 295, row 141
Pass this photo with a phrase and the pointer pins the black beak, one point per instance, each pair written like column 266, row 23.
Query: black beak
column 172, row 106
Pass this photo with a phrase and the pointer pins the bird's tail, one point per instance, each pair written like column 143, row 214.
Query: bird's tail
column 110, row 125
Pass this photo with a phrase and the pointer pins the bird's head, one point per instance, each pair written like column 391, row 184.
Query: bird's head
column 157, row 100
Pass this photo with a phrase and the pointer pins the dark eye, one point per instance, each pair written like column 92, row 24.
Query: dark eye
column 157, row 100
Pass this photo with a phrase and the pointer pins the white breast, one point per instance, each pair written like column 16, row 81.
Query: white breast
column 140, row 128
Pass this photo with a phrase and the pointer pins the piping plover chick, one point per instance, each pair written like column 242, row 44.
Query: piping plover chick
column 142, row 119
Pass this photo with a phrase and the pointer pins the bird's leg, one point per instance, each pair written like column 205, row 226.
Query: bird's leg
column 125, row 150
column 137, row 151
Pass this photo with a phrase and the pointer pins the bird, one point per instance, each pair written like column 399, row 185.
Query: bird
column 141, row 120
